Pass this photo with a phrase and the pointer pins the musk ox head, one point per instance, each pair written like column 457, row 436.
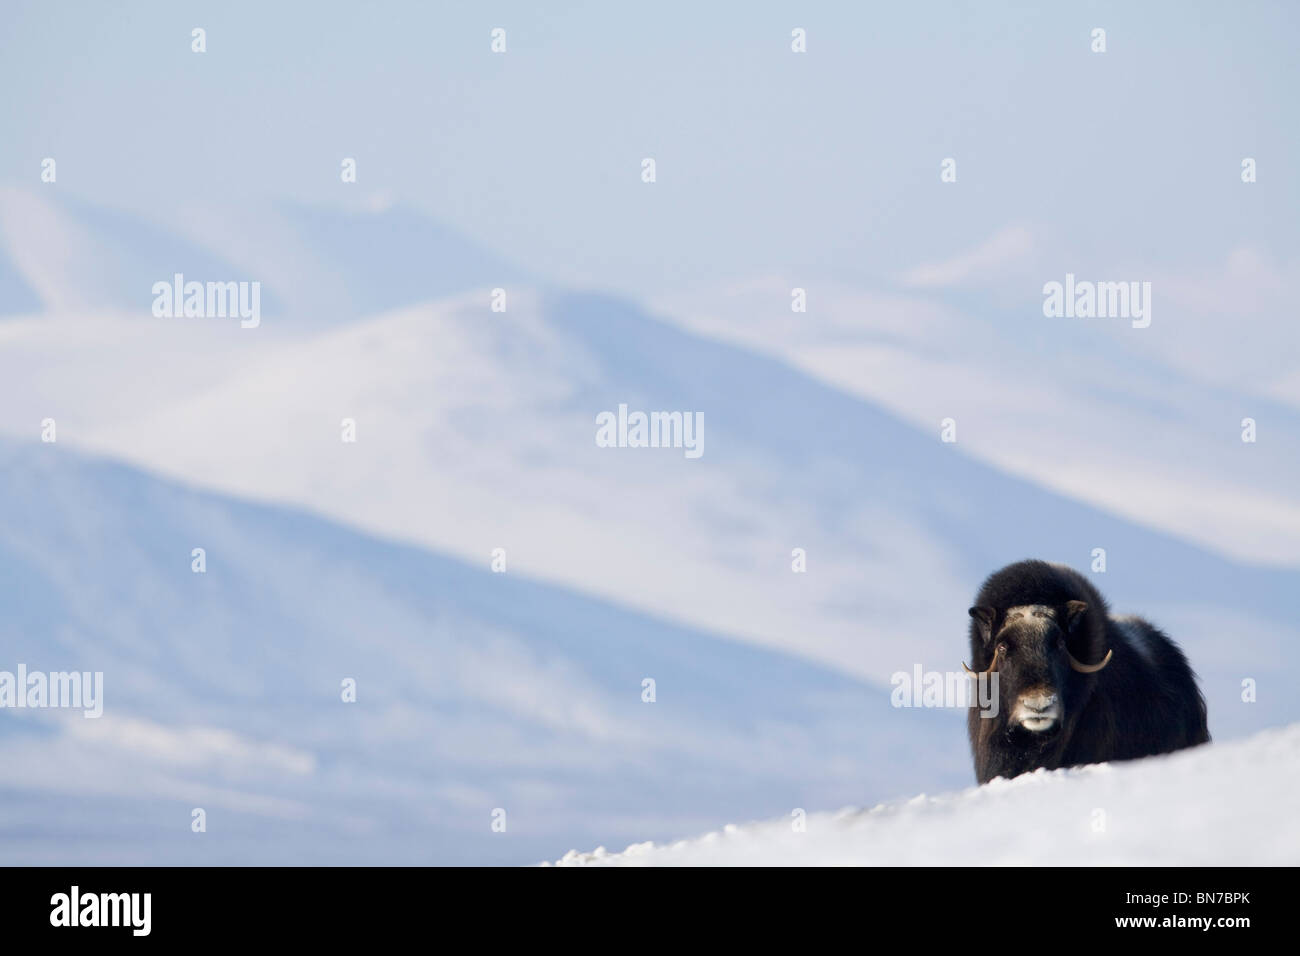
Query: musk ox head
column 1032, row 648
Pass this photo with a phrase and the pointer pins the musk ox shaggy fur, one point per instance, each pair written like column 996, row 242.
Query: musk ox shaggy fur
column 1074, row 685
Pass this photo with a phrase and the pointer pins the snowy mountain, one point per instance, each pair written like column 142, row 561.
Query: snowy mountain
column 475, row 431
column 1144, row 423
column 333, row 264
column 1218, row 805
column 316, row 265
column 475, row 691
column 74, row 256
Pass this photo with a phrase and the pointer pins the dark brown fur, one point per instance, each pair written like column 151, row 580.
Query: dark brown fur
column 1144, row 702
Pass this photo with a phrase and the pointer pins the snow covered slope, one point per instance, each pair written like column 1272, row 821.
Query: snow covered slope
column 336, row 264
column 1093, row 409
column 74, row 256
column 1219, row 805
column 475, row 691
column 476, row 431
column 316, row 265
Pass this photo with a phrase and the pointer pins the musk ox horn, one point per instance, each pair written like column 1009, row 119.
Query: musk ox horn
column 1089, row 668
column 992, row 664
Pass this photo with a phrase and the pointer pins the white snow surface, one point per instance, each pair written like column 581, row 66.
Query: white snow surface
column 1216, row 805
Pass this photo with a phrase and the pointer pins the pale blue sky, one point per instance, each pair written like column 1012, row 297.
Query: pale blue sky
column 768, row 162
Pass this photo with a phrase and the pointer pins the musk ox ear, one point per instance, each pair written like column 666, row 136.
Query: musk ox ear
column 983, row 616
column 1074, row 611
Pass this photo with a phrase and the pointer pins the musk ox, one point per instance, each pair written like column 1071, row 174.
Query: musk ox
column 1074, row 684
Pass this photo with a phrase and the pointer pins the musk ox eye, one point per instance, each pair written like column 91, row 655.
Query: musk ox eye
column 1002, row 648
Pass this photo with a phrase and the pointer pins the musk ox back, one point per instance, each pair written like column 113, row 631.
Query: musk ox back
column 1074, row 684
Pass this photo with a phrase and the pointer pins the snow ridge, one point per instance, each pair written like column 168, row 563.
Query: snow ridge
column 1221, row 804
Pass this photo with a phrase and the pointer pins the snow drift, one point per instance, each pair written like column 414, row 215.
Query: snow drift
column 1217, row 805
